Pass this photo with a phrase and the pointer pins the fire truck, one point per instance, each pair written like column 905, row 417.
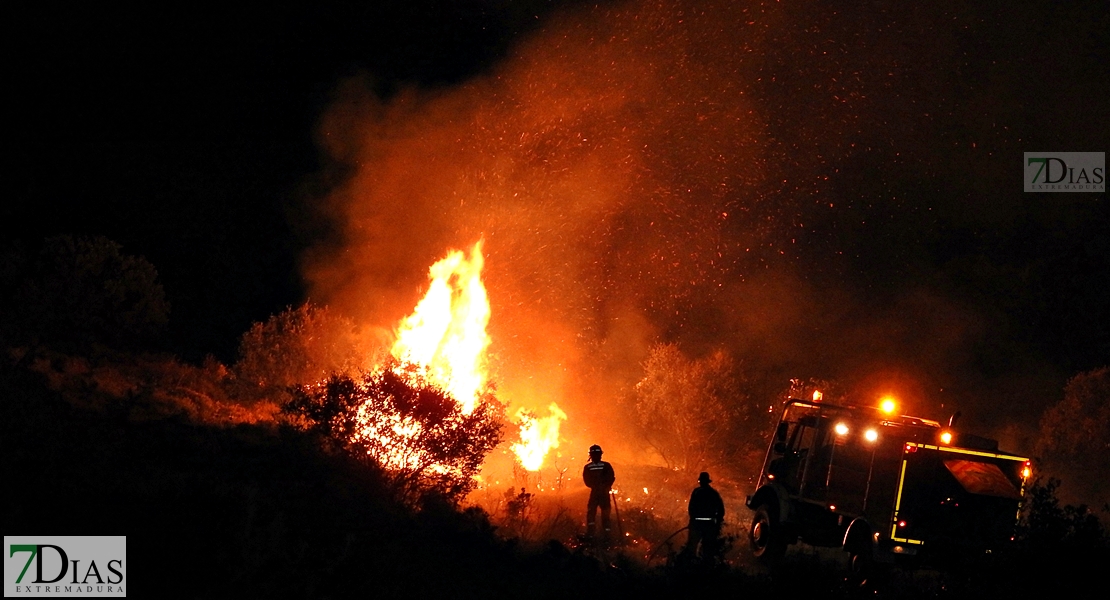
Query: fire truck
column 886, row 488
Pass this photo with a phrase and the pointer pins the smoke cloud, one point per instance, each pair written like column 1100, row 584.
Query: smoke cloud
column 732, row 174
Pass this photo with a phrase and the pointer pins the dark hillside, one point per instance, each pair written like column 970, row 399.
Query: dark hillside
column 252, row 511
column 262, row 511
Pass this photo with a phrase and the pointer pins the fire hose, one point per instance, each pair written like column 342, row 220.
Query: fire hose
column 617, row 509
column 660, row 544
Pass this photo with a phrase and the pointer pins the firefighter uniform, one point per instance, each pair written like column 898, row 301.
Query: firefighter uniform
column 707, row 511
column 598, row 475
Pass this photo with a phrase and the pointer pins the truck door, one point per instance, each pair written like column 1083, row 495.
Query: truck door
column 789, row 460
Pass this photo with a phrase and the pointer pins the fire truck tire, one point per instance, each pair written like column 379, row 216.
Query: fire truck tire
column 765, row 536
column 861, row 567
column 864, row 571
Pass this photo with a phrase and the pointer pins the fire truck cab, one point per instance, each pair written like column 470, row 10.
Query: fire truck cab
column 885, row 488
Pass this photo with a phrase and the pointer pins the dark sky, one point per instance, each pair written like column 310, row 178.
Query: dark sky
column 188, row 137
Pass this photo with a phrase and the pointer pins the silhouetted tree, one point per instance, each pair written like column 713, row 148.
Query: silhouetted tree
column 77, row 293
column 1074, row 440
column 696, row 412
column 414, row 430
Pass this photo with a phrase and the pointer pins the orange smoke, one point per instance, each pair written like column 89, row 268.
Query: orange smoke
column 609, row 163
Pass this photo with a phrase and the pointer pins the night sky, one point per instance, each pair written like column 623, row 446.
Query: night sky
column 876, row 171
column 188, row 136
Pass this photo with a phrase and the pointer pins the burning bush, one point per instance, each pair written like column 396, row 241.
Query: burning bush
column 415, row 431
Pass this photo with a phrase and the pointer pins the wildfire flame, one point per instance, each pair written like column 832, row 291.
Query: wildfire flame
column 446, row 333
column 445, row 338
column 537, row 436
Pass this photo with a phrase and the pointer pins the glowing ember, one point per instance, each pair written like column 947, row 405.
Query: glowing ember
column 537, row 436
column 445, row 336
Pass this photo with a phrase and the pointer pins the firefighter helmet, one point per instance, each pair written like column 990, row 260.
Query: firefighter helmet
column 704, row 477
column 595, row 449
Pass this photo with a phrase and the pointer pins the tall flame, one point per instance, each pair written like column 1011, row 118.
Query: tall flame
column 446, row 333
column 445, row 338
column 537, row 436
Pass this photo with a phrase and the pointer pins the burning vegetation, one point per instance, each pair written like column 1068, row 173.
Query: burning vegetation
column 417, row 434
column 444, row 343
column 430, row 416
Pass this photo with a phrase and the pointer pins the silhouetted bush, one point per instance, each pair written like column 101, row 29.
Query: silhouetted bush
column 299, row 346
column 1048, row 526
column 414, row 430
column 79, row 294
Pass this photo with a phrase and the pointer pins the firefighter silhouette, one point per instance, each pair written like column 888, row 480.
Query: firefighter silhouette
column 599, row 477
column 707, row 511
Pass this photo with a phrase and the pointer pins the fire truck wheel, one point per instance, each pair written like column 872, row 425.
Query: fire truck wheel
column 861, row 567
column 766, row 536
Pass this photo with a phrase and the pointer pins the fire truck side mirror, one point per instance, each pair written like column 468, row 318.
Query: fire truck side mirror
column 780, row 433
column 780, row 447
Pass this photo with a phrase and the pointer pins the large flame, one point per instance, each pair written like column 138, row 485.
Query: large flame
column 446, row 333
column 445, row 338
column 538, row 436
